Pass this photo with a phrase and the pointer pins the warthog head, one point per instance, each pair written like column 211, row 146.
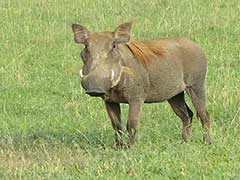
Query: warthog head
column 101, row 57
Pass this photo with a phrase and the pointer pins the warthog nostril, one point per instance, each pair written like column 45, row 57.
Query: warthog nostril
column 95, row 92
column 85, row 84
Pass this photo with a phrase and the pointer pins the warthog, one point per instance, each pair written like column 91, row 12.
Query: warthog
column 120, row 70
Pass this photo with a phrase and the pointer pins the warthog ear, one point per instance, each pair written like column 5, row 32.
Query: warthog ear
column 80, row 33
column 122, row 33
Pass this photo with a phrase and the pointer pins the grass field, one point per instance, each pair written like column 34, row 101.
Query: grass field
column 49, row 129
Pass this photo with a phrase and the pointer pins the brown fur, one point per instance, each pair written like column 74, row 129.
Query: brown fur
column 144, row 51
column 138, row 72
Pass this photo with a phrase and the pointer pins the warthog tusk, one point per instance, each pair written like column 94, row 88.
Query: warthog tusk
column 117, row 79
column 81, row 73
column 112, row 74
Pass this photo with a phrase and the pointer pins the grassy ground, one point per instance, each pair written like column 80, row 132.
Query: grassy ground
column 51, row 130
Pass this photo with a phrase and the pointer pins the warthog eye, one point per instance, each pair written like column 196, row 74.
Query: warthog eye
column 85, row 55
column 114, row 45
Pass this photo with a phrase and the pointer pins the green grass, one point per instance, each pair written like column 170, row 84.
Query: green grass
column 51, row 130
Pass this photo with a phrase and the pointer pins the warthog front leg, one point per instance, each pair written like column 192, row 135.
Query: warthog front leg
column 114, row 113
column 133, row 116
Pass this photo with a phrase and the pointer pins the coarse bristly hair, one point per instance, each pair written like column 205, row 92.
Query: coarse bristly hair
column 146, row 50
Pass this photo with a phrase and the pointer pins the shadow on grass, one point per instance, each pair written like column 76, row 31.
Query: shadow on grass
column 76, row 139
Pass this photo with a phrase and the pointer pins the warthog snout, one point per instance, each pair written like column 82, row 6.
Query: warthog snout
column 96, row 92
column 94, row 83
column 90, row 90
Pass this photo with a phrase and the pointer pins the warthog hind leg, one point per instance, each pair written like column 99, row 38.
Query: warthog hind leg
column 182, row 110
column 197, row 95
